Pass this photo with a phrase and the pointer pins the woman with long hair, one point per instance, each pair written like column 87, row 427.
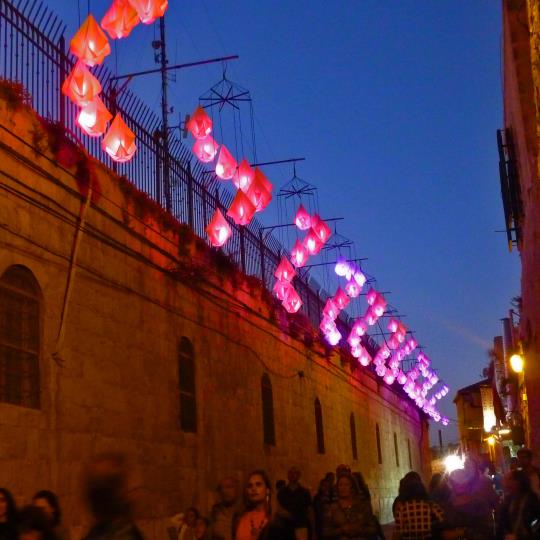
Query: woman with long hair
column 8, row 516
column 48, row 502
column 350, row 518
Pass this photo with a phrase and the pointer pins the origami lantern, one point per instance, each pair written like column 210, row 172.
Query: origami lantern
column 359, row 277
column 200, row 124
column 90, row 43
column 389, row 378
column 149, row 10
column 302, row 219
column 327, row 325
column 292, row 302
column 120, row 19
column 401, row 377
column 352, row 289
column 393, row 325
column 205, row 149
column 445, row 421
column 353, row 340
column 119, row 142
column 370, row 317
column 262, row 180
column 226, row 164
column 380, row 370
column 342, row 266
column 243, row 176
column 258, row 194
column 341, row 299
column 218, row 230
column 364, row 358
column 81, row 86
column 371, row 296
column 285, row 270
column 359, row 328
column 380, row 306
column 241, row 209
column 93, row 118
column 331, row 310
column 333, row 337
column 393, row 342
column 312, row 243
column 321, row 229
column 299, row 254
column 282, row 289
column 356, row 351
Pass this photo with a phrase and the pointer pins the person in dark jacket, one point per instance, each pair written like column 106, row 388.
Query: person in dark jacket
column 8, row 516
column 48, row 502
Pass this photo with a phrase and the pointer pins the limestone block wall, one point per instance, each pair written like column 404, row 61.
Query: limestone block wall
column 114, row 384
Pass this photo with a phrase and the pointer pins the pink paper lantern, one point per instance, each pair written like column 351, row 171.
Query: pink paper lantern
column 200, row 124
column 359, row 327
column 321, row 229
column 81, row 86
column 299, row 254
column 281, row 289
column 342, row 266
column 371, row 296
column 379, row 306
column 341, row 299
column 312, row 243
column 119, row 141
column 258, row 192
column 262, row 179
column 243, row 176
column 352, row 289
column 241, row 210
column 120, row 19
column 150, row 10
column 302, row 219
column 392, row 325
column 292, row 302
column 333, row 337
column 331, row 310
column 94, row 117
column 389, row 378
column 205, row 149
column 218, row 230
column 284, row 270
column 364, row 358
column 327, row 325
column 226, row 164
column 353, row 340
column 371, row 317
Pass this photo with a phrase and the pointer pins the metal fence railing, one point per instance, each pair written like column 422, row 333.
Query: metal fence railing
column 33, row 52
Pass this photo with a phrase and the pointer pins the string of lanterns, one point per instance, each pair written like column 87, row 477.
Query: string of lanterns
column 91, row 46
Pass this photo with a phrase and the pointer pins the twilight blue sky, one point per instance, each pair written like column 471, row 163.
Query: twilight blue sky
column 395, row 104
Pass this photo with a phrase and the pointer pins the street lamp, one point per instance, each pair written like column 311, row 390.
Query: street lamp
column 516, row 363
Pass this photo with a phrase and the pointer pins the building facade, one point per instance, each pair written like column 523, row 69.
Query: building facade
column 120, row 330
column 520, row 181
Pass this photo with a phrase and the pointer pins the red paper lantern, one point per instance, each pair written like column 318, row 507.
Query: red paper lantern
column 299, row 254
column 218, row 230
column 292, row 302
column 282, row 289
column 119, row 142
column 258, row 192
column 150, row 10
column 81, row 86
column 243, row 177
column 321, row 229
column 312, row 243
column 241, row 209
column 302, row 219
column 331, row 310
column 90, row 43
column 284, row 271
column 200, row 124
column 341, row 299
column 205, row 149
column 226, row 164
column 120, row 19
column 93, row 118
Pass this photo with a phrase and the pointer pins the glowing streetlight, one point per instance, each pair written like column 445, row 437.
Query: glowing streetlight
column 453, row 462
column 516, row 363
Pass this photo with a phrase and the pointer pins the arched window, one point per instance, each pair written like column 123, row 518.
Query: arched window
column 396, row 449
column 319, row 426
column 269, row 431
column 186, row 385
column 378, row 436
column 353, row 437
column 409, row 452
column 19, row 337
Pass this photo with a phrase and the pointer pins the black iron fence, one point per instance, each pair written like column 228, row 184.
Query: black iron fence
column 33, row 52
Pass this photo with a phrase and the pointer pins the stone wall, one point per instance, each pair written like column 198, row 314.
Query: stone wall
column 138, row 287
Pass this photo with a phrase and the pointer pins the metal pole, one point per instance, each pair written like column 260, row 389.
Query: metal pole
column 164, row 116
column 62, row 79
column 261, row 248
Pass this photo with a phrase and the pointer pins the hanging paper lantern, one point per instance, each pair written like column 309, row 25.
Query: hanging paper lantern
column 371, row 317
column 401, row 378
column 243, row 176
column 331, row 310
column 333, row 337
column 149, row 10
column 359, row 327
column 312, row 243
column 120, row 19
column 262, row 180
column 241, row 209
column 371, row 296
column 285, row 270
column 226, row 164
column 353, row 340
column 218, row 230
column 292, row 302
column 90, row 43
column 321, row 229
column 359, row 277
column 342, row 266
column 389, row 378
column 341, row 299
column 299, row 254
column 302, row 219
column 119, row 142
column 199, row 124
column 352, row 289
column 93, row 118
column 327, row 325
column 258, row 194
column 364, row 358
column 205, row 149
column 81, row 86
column 281, row 289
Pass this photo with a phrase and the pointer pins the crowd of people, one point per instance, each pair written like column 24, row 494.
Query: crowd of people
column 467, row 504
